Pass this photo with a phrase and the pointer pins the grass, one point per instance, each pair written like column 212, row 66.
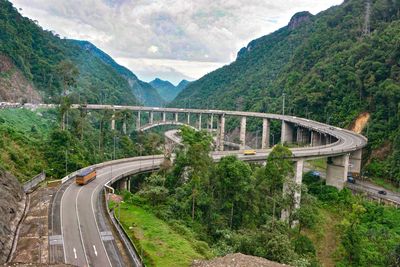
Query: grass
column 325, row 237
column 21, row 141
column 318, row 164
column 156, row 240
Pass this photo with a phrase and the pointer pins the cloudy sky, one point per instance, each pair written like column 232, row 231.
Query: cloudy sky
column 170, row 39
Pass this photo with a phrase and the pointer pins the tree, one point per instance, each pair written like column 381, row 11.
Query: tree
column 233, row 186
column 68, row 74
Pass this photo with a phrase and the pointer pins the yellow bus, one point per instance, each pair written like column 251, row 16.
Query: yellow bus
column 249, row 152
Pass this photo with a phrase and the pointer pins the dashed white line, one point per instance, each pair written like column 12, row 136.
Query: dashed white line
column 75, row 254
column 95, row 251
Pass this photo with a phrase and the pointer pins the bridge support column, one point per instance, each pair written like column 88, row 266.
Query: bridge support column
column 176, row 117
column 355, row 162
column 265, row 134
column 336, row 173
column 315, row 138
column 188, row 118
column 138, row 121
column 122, row 184
column 287, row 133
column 199, row 126
column 243, row 132
column 151, row 117
column 164, row 116
column 124, row 127
column 211, row 123
column 294, row 189
column 221, row 134
column 113, row 122
column 302, row 135
column 128, row 184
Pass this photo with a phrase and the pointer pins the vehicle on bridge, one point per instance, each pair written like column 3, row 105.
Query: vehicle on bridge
column 249, row 152
column 85, row 176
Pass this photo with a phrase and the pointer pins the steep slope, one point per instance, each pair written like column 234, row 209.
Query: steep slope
column 332, row 67
column 167, row 90
column 142, row 90
column 14, row 87
column 38, row 53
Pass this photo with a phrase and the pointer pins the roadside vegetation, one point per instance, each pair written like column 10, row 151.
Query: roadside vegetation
column 234, row 206
column 32, row 141
column 159, row 243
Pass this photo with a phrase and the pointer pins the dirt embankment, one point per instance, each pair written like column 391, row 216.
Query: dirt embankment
column 360, row 122
column 12, row 204
column 14, row 87
column 237, row 260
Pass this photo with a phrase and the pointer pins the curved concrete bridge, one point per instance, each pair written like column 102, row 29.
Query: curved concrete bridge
column 341, row 147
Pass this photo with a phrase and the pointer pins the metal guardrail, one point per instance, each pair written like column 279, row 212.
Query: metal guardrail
column 374, row 196
column 28, row 186
column 124, row 236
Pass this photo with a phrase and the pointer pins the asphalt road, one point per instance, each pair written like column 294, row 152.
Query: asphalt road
column 86, row 236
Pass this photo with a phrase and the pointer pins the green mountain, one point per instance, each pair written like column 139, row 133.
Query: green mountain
column 32, row 57
column 334, row 66
column 167, row 90
column 143, row 91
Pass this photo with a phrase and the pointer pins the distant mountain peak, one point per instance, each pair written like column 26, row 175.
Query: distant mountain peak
column 166, row 89
column 299, row 18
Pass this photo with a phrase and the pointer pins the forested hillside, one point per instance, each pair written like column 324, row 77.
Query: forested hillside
column 332, row 67
column 143, row 91
column 40, row 55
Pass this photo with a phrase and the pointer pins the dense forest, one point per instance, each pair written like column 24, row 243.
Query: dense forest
column 331, row 67
column 234, row 206
column 40, row 54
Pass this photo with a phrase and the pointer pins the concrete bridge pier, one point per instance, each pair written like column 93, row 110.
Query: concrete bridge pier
column 302, row 135
column 337, row 169
column 265, row 134
column 188, row 118
column 243, row 133
column 211, row 123
column 124, row 127
column 287, row 132
column 297, row 179
column 199, row 122
column 113, row 122
column 164, row 116
column 138, row 121
column 122, row 184
column 151, row 117
column 355, row 162
column 316, row 138
column 177, row 117
column 221, row 132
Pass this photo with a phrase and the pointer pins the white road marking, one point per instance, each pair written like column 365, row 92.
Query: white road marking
column 95, row 251
column 75, row 254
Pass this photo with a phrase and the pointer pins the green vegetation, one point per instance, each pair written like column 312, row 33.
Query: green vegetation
column 368, row 233
column 160, row 243
column 31, row 141
column 237, row 207
column 41, row 54
column 329, row 70
column 21, row 141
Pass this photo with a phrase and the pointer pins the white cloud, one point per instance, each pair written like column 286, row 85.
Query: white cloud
column 203, row 34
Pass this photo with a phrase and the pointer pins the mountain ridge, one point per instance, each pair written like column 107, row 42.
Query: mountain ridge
column 167, row 90
column 329, row 70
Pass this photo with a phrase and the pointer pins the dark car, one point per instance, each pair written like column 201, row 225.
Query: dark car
column 382, row 192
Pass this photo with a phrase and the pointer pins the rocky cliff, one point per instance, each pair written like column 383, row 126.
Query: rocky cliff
column 12, row 203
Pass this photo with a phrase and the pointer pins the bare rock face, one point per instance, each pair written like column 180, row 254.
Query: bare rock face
column 12, row 203
column 14, row 86
column 299, row 19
